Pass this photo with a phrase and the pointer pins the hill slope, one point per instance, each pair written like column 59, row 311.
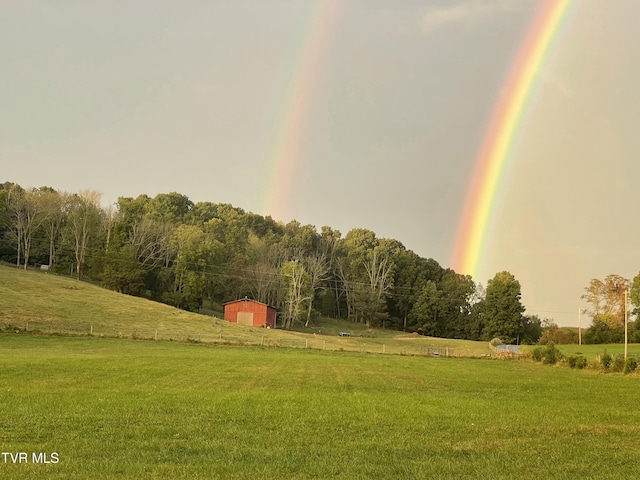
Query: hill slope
column 46, row 299
column 40, row 302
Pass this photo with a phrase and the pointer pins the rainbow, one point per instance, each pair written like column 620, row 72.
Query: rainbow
column 499, row 138
column 279, row 170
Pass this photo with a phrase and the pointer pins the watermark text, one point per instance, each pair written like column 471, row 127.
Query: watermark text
column 34, row 457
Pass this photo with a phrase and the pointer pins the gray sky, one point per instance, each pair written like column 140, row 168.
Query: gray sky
column 156, row 96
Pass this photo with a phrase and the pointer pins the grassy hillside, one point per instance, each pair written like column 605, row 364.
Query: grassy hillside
column 124, row 409
column 49, row 304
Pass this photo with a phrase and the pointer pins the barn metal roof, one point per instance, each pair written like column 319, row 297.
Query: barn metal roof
column 247, row 299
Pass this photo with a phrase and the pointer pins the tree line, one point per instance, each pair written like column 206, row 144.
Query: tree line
column 197, row 256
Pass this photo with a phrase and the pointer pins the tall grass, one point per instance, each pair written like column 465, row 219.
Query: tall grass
column 45, row 303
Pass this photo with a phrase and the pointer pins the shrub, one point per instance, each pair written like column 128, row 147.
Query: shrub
column 549, row 354
column 630, row 365
column 618, row 364
column 594, row 365
column 606, row 360
column 577, row 361
column 537, row 354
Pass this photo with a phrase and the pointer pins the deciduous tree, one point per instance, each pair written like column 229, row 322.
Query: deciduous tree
column 607, row 299
column 317, row 267
column 16, row 216
column 56, row 205
column 297, row 291
column 366, row 274
column 83, row 226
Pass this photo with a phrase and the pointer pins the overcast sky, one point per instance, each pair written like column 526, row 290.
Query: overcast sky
column 131, row 97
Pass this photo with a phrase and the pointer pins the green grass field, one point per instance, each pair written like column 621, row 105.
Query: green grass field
column 590, row 352
column 119, row 408
column 49, row 304
column 198, row 408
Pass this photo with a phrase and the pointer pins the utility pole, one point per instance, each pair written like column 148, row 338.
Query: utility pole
column 579, row 326
column 626, row 318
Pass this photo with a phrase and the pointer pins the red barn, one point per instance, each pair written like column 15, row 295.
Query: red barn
column 251, row 313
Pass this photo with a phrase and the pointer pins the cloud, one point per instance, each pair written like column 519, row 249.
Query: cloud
column 465, row 12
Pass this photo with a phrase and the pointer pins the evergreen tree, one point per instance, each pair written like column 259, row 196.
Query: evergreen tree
column 502, row 308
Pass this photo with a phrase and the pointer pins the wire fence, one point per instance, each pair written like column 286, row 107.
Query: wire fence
column 256, row 338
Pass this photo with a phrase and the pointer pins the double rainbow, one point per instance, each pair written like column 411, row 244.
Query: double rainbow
column 507, row 117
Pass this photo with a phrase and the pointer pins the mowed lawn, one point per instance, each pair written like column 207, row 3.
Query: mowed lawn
column 117, row 408
column 592, row 351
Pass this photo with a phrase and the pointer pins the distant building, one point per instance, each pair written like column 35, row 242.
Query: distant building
column 251, row 313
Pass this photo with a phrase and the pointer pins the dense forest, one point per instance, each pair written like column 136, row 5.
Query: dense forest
column 197, row 256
